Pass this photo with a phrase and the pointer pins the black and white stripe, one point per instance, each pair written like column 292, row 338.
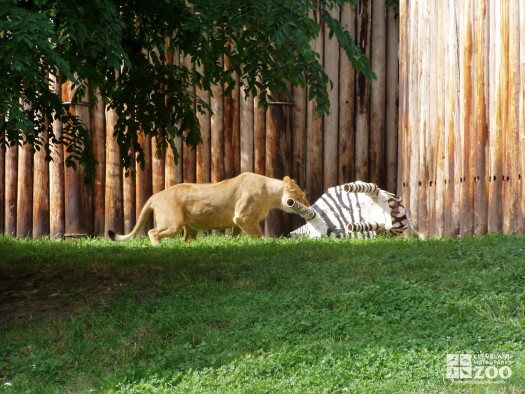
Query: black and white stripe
column 398, row 214
column 356, row 209
column 365, row 226
column 361, row 187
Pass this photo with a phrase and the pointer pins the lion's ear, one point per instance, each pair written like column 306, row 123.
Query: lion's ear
column 288, row 183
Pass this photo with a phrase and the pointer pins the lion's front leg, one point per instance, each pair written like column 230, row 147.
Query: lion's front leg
column 249, row 211
column 249, row 225
column 190, row 234
column 236, row 231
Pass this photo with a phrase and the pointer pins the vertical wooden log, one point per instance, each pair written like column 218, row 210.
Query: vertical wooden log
column 189, row 164
column 144, row 184
column 247, row 132
column 503, row 94
column 278, row 152
column 179, row 166
column 412, row 137
column 449, row 206
column 189, row 153
column 331, row 121
column 217, row 136
column 403, row 183
column 169, row 162
column 457, row 149
column 57, row 221
column 377, row 153
column 503, row 107
column 299, row 136
column 24, row 212
column 86, row 190
column 24, row 206
column 129, row 199
column 510, row 20
column 432, row 132
column 314, row 153
column 480, row 126
column 490, row 88
column 437, row 225
column 40, row 194
column 11, row 188
column 228, row 127
column 72, row 181
column 521, row 112
column 314, row 137
column 422, row 131
column 495, row 188
column 259, row 137
column 158, row 165
column 236, row 132
column 471, row 168
column 346, row 156
column 113, row 216
column 169, row 169
column 392, row 95
column 466, row 175
column 298, row 140
column 204, row 149
column 98, row 132
column 363, row 94
column 129, row 196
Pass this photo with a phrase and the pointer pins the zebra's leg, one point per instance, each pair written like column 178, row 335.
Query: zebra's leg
column 361, row 187
column 400, row 219
column 360, row 227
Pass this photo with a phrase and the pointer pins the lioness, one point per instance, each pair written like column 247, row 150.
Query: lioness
column 242, row 201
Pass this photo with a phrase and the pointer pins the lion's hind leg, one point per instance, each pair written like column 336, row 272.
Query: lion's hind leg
column 166, row 226
column 169, row 232
column 169, row 223
column 154, row 237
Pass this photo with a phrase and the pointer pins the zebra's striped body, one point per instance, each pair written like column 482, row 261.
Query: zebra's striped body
column 356, row 209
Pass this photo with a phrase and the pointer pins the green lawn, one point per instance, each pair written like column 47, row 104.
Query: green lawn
column 221, row 315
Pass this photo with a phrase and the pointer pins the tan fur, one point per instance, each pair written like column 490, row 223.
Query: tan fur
column 241, row 202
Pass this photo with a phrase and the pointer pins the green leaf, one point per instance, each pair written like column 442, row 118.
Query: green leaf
column 119, row 49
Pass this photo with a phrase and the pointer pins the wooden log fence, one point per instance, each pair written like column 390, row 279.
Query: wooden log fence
column 358, row 140
column 462, row 125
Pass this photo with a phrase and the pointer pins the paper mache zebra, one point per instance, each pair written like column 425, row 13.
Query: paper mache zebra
column 357, row 209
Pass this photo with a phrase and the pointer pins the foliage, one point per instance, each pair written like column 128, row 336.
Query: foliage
column 394, row 4
column 282, row 316
column 121, row 51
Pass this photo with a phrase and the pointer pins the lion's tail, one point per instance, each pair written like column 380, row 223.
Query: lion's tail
column 144, row 215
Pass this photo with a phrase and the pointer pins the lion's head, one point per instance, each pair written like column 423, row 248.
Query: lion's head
column 292, row 190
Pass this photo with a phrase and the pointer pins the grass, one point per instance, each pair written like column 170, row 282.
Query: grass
column 274, row 316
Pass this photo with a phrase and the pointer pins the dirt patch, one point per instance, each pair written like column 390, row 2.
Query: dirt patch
column 48, row 295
